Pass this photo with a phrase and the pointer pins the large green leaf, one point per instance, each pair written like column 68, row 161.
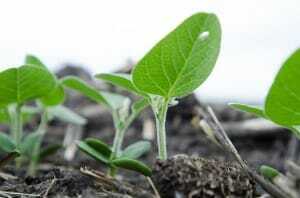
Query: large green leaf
column 56, row 97
column 120, row 80
column 84, row 88
column 83, row 146
column 99, row 146
column 255, row 110
column 25, row 83
column 182, row 60
column 134, row 165
column 282, row 104
column 4, row 115
column 33, row 60
column 136, row 150
column 6, row 143
column 66, row 115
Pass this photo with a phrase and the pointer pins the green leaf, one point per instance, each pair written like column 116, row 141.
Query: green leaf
column 33, row 60
column 136, row 150
column 29, row 143
column 83, row 146
column 99, row 146
column 66, row 115
column 255, row 110
column 134, row 165
column 282, row 104
column 79, row 85
column 181, row 61
column 139, row 105
column 269, row 172
column 56, row 97
column 49, row 150
column 4, row 115
column 115, row 101
column 120, row 80
column 6, row 143
column 28, row 82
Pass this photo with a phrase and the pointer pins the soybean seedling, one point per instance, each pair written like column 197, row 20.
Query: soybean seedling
column 123, row 114
column 50, row 106
column 19, row 86
column 281, row 106
column 174, row 68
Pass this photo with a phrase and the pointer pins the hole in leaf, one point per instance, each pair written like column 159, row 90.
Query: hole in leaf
column 204, row 35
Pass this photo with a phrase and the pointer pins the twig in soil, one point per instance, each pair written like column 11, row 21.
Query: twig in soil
column 19, row 194
column 49, row 188
column 222, row 138
column 7, row 176
column 153, row 187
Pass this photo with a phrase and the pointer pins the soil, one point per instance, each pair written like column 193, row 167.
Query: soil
column 197, row 177
column 63, row 178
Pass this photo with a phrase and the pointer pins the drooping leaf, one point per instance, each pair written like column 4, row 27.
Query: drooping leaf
column 66, row 115
column 120, row 80
column 56, row 97
column 49, row 150
column 8, row 157
column 4, row 115
column 269, row 172
column 33, row 60
column 28, row 82
column 92, row 152
column 84, row 88
column 136, row 150
column 134, row 165
column 6, row 143
column 99, row 146
column 181, row 61
column 115, row 101
column 282, row 104
column 29, row 143
column 139, row 105
column 255, row 110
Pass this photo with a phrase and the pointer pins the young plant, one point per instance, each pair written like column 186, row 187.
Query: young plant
column 19, row 86
column 174, row 68
column 50, row 107
column 282, row 104
column 123, row 115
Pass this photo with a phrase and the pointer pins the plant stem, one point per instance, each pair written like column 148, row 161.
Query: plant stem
column 160, row 111
column 18, row 126
column 36, row 150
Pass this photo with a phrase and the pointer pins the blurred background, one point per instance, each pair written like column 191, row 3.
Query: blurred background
column 102, row 36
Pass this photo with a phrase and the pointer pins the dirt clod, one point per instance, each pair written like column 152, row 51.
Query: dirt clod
column 194, row 177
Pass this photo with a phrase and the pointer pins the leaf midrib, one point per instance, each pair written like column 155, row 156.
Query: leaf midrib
column 169, row 95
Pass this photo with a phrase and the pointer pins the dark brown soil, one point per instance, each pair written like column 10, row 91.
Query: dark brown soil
column 196, row 177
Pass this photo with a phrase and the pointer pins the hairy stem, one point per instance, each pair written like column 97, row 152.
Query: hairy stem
column 36, row 150
column 17, row 126
column 160, row 111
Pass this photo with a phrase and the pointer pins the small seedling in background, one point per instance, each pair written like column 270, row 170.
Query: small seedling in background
column 174, row 68
column 282, row 106
column 32, row 82
column 19, row 86
column 50, row 107
column 123, row 114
